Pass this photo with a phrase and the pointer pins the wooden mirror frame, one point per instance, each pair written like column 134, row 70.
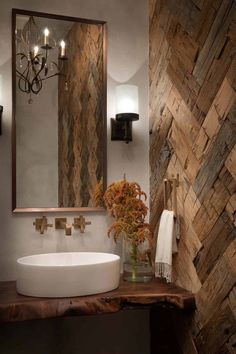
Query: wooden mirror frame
column 16, row 12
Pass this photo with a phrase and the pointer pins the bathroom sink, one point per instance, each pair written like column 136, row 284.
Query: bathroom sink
column 67, row 274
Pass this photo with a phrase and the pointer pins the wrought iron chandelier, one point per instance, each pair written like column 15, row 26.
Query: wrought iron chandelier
column 33, row 64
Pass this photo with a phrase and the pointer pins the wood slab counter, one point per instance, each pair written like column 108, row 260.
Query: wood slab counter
column 16, row 307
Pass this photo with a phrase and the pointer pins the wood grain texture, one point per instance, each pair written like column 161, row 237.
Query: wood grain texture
column 80, row 117
column 16, row 307
column 192, row 78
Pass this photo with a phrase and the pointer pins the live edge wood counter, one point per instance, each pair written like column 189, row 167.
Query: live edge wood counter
column 15, row 307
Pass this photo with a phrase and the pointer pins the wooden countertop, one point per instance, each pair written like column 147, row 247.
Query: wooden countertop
column 16, row 307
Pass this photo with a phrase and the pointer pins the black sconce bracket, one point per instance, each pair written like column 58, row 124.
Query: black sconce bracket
column 1, row 110
column 121, row 127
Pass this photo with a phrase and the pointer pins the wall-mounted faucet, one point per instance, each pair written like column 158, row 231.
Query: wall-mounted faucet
column 41, row 224
column 80, row 223
column 61, row 223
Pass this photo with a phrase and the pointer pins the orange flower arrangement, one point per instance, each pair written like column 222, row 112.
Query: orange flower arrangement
column 124, row 202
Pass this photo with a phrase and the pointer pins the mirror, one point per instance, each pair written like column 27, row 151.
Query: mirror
column 59, row 112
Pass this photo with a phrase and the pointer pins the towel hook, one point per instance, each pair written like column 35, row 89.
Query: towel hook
column 174, row 182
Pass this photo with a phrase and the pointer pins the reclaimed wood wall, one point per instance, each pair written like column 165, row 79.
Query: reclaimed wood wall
column 193, row 133
column 81, row 117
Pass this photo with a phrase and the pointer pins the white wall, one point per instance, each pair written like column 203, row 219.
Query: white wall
column 127, row 61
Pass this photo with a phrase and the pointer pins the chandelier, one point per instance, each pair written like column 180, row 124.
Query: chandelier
column 33, row 52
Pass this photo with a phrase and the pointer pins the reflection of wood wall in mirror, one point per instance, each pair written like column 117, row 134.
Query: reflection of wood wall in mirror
column 80, row 109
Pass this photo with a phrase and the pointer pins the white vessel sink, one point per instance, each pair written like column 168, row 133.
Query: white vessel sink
column 67, row 274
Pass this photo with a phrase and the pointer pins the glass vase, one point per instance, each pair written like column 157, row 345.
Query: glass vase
column 137, row 266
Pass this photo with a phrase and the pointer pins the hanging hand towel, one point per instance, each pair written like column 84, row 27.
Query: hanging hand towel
column 166, row 244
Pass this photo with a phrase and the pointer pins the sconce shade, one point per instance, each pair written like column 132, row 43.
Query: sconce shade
column 127, row 102
column 127, row 110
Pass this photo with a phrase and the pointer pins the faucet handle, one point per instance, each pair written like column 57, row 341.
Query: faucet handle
column 41, row 224
column 80, row 223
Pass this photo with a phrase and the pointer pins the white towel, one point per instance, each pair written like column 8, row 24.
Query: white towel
column 166, row 246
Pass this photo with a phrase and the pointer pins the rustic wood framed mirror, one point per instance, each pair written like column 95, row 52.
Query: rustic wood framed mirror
column 59, row 148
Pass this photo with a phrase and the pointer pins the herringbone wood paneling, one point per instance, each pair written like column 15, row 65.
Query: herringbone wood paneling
column 80, row 123
column 193, row 125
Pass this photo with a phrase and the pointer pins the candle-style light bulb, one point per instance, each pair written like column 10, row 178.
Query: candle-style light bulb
column 63, row 48
column 46, row 34
column 36, row 50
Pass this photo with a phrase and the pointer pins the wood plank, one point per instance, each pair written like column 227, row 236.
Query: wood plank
column 215, row 76
column 230, row 163
column 230, row 345
column 200, row 144
column 215, row 40
column 231, row 208
column 191, row 205
column 220, row 197
column 156, row 208
column 232, row 301
column 158, row 145
column 219, row 238
column 218, row 284
column 15, row 307
column 183, row 81
column 199, row 3
column 152, row 7
column 207, row 17
column 219, row 110
column 184, row 272
column 184, row 152
column 186, row 13
column 184, row 47
column 211, row 167
column 183, row 116
column 217, row 330
column 204, row 222
column 228, row 180
column 231, row 73
column 190, row 239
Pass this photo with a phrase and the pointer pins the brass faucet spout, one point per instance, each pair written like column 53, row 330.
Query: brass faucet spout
column 61, row 223
column 68, row 229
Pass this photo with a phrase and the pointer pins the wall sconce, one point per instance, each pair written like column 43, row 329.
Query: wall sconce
column 1, row 110
column 126, row 113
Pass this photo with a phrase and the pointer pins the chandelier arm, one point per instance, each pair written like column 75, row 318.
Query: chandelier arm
column 53, row 75
column 24, row 79
column 23, row 56
column 36, row 82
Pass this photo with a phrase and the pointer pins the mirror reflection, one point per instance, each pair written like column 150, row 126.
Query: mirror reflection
column 59, row 100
